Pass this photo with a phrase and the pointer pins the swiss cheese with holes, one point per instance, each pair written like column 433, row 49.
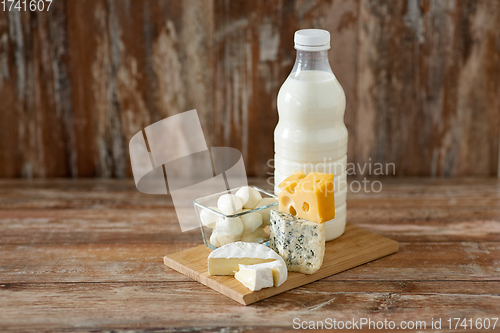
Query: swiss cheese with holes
column 308, row 197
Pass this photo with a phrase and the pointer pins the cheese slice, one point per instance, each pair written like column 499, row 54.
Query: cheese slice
column 299, row 242
column 226, row 259
column 309, row 197
column 255, row 277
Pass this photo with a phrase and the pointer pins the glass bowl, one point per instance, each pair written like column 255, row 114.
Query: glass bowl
column 209, row 203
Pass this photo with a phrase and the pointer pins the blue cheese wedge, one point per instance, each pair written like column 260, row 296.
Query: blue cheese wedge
column 301, row 243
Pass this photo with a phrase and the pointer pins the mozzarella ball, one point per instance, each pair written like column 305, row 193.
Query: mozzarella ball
column 229, row 204
column 266, row 212
column 251, row 222
column 226, row 226
column 257, row 236
column 214, row 240
column 249, row 196
column 208, row 218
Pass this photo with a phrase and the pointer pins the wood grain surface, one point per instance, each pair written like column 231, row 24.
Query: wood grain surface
column 421, row 80
column 86, row 256
column 355, row 247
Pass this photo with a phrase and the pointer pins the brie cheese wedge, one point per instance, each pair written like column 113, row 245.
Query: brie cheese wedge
column 255, row 277
column 226, row 260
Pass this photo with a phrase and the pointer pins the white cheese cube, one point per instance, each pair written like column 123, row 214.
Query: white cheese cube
column 229, row 204
column 255, row 277
column 249, row 196
column 251, row 221
column 299, row 242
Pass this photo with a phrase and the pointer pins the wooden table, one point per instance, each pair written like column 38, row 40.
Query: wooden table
column 86, row 255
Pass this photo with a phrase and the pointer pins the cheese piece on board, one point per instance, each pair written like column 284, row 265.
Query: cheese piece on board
column 226, row 259
column 255, row 277
column 301, row 243
column 279, row 270
column 310, row 197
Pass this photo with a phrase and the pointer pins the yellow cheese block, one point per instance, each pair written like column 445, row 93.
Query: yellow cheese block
column 308, row 197
column 295, row 177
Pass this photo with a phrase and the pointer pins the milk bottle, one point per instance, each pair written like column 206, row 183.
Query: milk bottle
column 311, row 134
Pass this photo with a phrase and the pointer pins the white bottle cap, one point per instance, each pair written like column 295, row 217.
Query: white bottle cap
column 312, row 40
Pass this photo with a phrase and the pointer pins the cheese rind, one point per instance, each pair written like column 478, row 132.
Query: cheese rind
column 299, row 242
column 279, row 270
column 309, row 197
column 229, row 266
column 226, row 259
column 255, row 277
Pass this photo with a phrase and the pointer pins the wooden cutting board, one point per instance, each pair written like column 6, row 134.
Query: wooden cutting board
column 355, row 247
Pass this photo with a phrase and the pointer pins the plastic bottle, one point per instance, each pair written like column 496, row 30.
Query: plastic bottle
column 311, row 134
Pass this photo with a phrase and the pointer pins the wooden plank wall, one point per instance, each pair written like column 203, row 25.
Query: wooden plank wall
column 422, row 80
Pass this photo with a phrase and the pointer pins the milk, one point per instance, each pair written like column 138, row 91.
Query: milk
column 311, row 134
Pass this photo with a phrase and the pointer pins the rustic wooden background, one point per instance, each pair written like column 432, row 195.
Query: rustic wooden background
column 422, row 80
